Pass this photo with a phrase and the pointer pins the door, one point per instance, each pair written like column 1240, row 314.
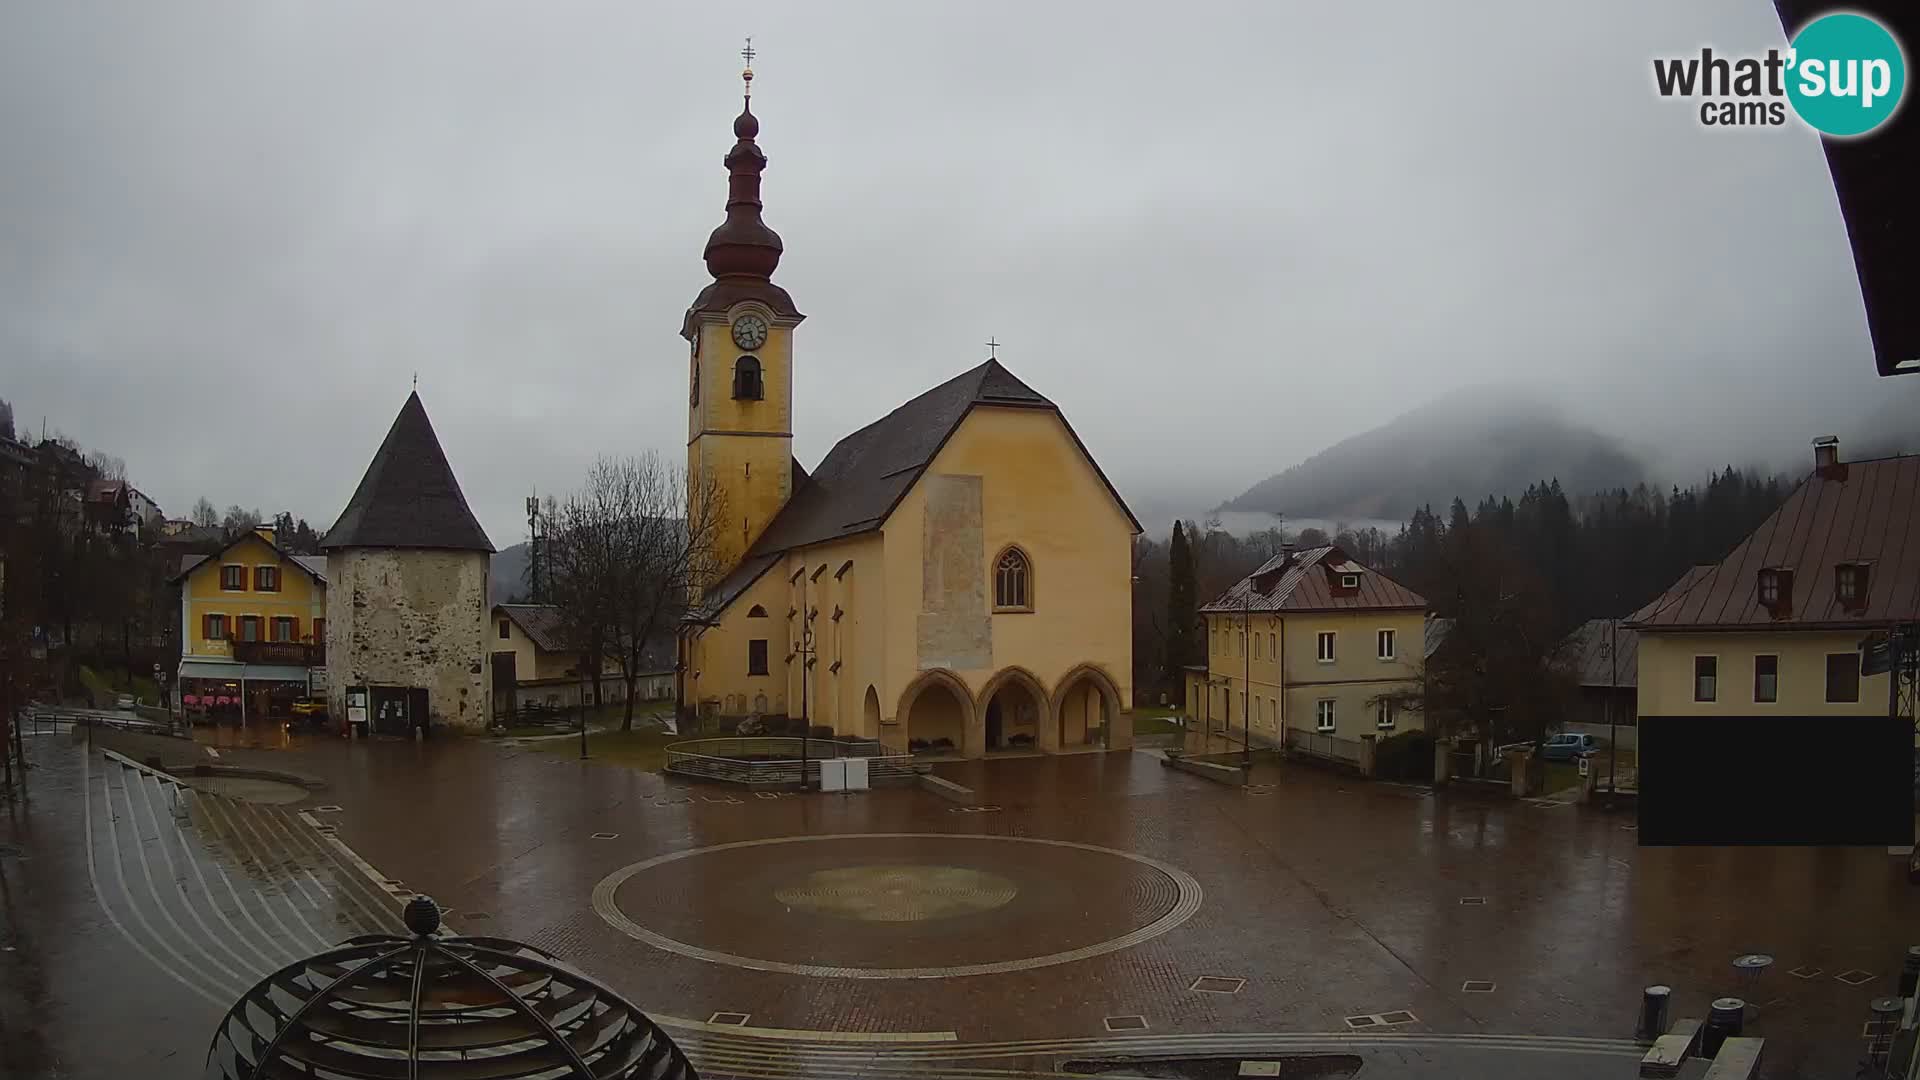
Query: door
column 417, row 714
column 993, row 726
column 505, row 679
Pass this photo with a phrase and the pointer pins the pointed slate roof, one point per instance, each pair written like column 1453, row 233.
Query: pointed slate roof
column 867, row 473
column 408, row 498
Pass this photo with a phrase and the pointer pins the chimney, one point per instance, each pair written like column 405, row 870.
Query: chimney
column 264, row 532
column 1826, row 458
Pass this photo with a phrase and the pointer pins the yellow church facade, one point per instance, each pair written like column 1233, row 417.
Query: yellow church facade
column 952, row 579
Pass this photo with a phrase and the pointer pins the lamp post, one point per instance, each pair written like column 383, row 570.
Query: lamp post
column 582, row 672
column 1613, row 691
column 805, row 654
column 1246, row 677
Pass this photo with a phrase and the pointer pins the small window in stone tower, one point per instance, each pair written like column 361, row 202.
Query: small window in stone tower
column 1012, row 582
column 746, row 379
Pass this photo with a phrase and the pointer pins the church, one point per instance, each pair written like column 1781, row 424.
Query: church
column 955, row 578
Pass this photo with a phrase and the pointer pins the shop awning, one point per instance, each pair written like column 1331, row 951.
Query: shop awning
column 213, row 669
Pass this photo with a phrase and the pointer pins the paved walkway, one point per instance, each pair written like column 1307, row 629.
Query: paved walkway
column 1348, row 909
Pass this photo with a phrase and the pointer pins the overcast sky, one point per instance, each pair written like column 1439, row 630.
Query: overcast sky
column 1220, row 237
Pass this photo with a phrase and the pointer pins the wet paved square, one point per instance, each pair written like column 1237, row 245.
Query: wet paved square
column 1324, row 899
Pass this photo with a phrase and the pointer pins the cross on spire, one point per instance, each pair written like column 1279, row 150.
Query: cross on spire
column 993, row 349
column 746, row 74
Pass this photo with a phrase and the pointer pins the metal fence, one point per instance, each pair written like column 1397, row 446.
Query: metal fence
column 51, row 720
column 775, row 760
column 1330, row 747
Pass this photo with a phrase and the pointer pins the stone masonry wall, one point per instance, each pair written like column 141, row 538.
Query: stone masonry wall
column 410, row 617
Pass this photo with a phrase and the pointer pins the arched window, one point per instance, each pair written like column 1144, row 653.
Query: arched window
column 1012, row 581
column 756, row 612
column 746, row 379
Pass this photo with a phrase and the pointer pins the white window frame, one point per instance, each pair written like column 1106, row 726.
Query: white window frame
column 1386, row 636
column 226, row 626
column 1384, row 715
column 1349, row 581
column 1326, row 646
column 275, row 567
column 1325, row 718
column 1757, row 700
column 1695, row 678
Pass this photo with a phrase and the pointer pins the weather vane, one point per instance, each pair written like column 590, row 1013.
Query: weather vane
column 416, row 380
column 746, row 75
column 993, row 349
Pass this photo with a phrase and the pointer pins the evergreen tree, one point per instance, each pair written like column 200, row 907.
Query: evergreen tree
column 1181, row 603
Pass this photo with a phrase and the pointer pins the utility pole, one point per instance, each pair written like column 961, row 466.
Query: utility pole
column 1613, row 691
column 536, row 550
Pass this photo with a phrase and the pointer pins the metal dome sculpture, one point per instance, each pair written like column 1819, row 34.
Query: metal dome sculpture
column 382, row 1007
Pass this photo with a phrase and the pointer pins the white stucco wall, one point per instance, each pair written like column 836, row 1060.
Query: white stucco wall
column 409, row 617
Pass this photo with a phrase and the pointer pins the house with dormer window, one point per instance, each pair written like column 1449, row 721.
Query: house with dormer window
column 1307, row 652
column 1776, row 627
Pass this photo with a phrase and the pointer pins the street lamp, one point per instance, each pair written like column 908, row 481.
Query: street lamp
column 1246, row 697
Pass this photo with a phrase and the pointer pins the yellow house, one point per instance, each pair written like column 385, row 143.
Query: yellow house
column 252, row 625
column 1775, row 628
column 1300, row 651
column 534, row 665
column 952, row 578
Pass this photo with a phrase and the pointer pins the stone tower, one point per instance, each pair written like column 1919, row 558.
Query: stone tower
column 740, row 330
column 407, row 604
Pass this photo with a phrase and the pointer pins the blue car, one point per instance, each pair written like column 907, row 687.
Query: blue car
column 1566, row 747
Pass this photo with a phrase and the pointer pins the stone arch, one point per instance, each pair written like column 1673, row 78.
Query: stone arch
column 926, row 716
column 1007, row 715
column 870, row 714
column 1086, row 698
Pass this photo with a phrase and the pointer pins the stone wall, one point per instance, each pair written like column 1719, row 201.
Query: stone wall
column 410, row 617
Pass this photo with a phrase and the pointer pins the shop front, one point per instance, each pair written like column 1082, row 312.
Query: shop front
column 240, row 693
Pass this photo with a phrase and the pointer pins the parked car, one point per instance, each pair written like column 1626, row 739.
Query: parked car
column 1567, row 747
column 312, row 710
column 124, row 702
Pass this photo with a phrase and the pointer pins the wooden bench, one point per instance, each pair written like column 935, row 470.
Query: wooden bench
column 1738, row 1059
column 1671, row 1050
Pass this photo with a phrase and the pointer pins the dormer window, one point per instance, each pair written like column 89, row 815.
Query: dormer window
column 1850, row 584
column 1349, row 581
column 1776, row 591
column 746, row 379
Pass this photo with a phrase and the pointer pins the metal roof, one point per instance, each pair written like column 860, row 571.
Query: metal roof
column 408, row 497
column 1589, row 653
column 867, row 473
column 1859, row 512
column 1295, row 581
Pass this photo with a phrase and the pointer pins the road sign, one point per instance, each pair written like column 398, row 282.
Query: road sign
column 1584, row 766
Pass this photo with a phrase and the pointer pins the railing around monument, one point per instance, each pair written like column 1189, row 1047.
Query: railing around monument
column 757, row 760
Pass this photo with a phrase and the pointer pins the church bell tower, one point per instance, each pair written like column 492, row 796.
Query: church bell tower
column 740, row 372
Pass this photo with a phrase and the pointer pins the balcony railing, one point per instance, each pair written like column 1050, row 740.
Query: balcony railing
column 298, row 653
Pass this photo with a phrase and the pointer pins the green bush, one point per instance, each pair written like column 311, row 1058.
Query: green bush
column 1406, row 756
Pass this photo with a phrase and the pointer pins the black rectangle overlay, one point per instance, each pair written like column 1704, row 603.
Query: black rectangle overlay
column 1781, row 780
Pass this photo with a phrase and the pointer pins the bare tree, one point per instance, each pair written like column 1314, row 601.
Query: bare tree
column 624, row 553
column 204, row 514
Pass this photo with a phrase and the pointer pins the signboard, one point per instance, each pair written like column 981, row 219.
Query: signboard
column 1585, row 765
column 356, row 715
column 316, row 681
column 857, row 774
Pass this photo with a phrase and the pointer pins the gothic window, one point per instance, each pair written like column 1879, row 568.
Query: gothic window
column 756, row 612
column 746, row 379
column 1012, row 581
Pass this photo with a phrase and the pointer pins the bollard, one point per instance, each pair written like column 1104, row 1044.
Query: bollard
column 1723, row 1022
column 1910, row 974
column 1653, row 1011
column 1883, row 1023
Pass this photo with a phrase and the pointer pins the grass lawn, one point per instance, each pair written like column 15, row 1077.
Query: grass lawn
column 637, row 749
column 1156, row 720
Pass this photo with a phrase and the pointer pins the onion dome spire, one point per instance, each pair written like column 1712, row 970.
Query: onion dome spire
column 743, row 246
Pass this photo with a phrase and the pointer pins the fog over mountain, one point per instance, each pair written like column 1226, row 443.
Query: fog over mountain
column 1496, row 440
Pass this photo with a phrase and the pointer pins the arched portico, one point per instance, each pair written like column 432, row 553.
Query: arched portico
column 1014, row 707
column 1086, row 710
column 936, row 709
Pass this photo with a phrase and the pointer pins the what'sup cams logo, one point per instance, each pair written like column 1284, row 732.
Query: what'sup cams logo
column 1843, row 74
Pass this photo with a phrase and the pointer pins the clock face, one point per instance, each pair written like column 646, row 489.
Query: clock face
column 749, row 331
